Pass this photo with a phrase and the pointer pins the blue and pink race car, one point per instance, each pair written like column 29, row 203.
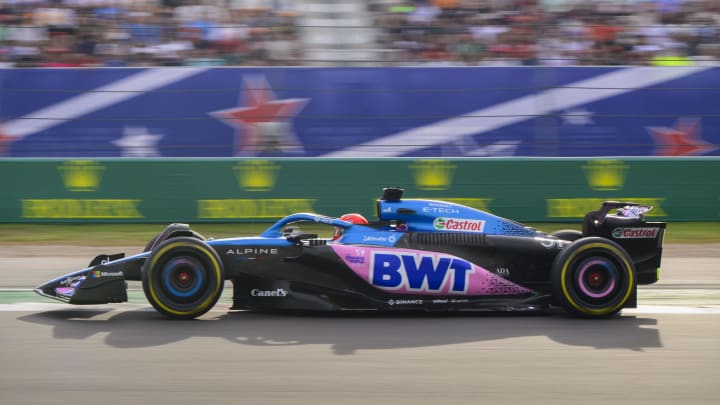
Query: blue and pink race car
column 421, row 255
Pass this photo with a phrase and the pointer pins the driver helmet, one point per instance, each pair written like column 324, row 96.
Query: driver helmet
column 354, row 218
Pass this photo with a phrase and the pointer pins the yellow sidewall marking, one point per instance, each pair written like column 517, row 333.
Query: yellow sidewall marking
column 216, row 268
column 627, row 268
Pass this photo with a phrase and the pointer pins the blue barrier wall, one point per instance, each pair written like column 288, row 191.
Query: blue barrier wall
column 353, row 112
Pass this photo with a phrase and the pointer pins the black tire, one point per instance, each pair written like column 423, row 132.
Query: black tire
column 593, row 277
column 183, row 278
column 154, row 239
column 567, row 234
column 150, row 243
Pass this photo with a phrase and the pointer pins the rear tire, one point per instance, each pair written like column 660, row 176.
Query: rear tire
column 593, row 277
column 183, row 278
column 567, row 234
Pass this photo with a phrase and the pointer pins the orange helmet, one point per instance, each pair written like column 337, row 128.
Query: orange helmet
column 356, row 219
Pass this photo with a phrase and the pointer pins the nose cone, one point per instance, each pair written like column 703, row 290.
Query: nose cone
column 63, row 288
column 99, row 284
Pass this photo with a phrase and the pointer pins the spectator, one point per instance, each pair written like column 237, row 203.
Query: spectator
column 438, row 32
column 553, row 32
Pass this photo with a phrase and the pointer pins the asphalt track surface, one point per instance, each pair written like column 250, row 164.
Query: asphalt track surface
column 665, row 352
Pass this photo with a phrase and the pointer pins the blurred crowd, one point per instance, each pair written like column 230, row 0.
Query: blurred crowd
column 72, row 33
column 553, row 32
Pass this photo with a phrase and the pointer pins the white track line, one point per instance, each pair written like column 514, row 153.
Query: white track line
column 673, row 309
column 42, row 306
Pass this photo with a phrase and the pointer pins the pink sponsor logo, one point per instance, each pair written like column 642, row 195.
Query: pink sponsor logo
column 407, row 271
column 459, row 225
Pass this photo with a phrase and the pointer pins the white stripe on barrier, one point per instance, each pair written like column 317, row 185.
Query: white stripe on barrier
column 518, row 110
column 97, row 99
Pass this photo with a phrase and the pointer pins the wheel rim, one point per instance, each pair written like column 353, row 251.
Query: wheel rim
column 598, row 281
column 183, row 276
column 597, row 278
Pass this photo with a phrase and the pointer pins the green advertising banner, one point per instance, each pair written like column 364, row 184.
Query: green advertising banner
column 233, row 189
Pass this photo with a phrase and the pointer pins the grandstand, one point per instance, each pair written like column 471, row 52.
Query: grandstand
column 80, row 33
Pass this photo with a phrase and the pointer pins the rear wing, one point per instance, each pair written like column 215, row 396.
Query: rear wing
column 594, row 219
column 624, row 223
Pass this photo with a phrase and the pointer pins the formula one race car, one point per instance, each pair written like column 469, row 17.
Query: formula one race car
column 421, row 255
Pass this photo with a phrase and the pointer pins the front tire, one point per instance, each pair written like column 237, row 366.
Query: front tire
column 183, row 278
column 154, row 241
column 593, row 277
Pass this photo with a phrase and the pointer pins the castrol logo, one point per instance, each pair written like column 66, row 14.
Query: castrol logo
column 459, row 225
column 635, row 233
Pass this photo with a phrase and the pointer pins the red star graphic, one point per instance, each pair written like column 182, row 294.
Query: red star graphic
column 681, row 140
column 5, row 141
column 259, row 106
